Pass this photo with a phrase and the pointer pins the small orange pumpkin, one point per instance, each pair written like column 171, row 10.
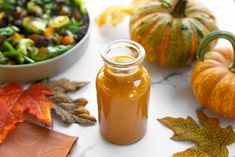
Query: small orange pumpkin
column 213, row 78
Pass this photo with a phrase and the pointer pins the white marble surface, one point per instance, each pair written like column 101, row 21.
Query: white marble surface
column 171, row 93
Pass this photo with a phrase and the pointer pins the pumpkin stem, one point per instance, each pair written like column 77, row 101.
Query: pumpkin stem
column 212, row 36
column 179, row 10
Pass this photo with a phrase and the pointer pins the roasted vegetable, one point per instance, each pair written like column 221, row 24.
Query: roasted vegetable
column 42, row 2
column 16, row 38
column 34, row 8
column 37, row 30
column 4, row 20
column 74, row 26
column 37, row 56
column 50, row 52
column 3, row 59
column 59, row 22
column 67, row 40
column 34, row 25
column 57, row 50
column 81, row 6
column 8, row 31
column 7, row 5
column 49, row 33
column 13, row 53
column 26, row 46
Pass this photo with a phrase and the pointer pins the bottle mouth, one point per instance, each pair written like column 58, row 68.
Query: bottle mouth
column 123, row 54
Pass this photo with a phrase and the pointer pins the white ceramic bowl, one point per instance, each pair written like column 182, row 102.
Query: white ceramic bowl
column 44, row 69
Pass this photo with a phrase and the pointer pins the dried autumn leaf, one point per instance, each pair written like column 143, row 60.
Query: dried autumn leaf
column 210, row 139
column 14, row 101
column 115, row 14
column 63, row 85
column 71, row 112
column 191, row 153
column 81, row 102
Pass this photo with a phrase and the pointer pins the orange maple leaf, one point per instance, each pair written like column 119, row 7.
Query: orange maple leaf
column 14, row 101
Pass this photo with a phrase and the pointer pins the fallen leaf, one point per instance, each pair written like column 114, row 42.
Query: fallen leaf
column 210, row 139
column 14, row 101
column 192, row 152
column 81, row 102
column 63, row 85
column 72, row 111
column 115, row 14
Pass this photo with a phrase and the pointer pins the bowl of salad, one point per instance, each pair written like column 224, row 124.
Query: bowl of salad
column 41, row 38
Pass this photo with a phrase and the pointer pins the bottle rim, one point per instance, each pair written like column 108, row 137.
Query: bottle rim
column 123, row 43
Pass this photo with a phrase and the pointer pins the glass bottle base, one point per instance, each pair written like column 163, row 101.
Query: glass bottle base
column 122, row 142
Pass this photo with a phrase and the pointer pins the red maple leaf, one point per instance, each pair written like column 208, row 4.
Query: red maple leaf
column 14, row 101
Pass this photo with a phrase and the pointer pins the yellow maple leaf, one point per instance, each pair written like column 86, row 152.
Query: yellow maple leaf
column 210, row 139
column 191, row 153
column 115, row 14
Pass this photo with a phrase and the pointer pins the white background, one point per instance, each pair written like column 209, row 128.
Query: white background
column 168, row 98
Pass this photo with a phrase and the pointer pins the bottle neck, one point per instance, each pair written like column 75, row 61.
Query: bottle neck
column 123, row 57
column 122, row 71
column 122, row 75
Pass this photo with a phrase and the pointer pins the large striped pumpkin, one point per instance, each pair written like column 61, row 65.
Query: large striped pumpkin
column 171, row 30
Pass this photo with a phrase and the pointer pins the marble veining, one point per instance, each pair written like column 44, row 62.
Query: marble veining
column 168, row 79
column 86, row 150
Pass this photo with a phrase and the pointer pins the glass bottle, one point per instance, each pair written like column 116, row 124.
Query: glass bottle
column 123, row 87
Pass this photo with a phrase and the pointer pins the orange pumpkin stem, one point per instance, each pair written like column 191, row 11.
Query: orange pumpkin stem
column 212, row 36
column 179, row 10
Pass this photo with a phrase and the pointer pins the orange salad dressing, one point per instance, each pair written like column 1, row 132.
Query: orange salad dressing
column 123, row 102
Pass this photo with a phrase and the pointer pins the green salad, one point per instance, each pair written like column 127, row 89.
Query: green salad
column 36, row 30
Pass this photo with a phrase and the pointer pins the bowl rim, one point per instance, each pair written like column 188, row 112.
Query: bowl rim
column 55, row 58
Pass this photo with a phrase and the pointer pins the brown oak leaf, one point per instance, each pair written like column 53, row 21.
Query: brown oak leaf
column 63, row 85
column 14, row 101
column 69, row 110
column 210, row 139
column 72, row 111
